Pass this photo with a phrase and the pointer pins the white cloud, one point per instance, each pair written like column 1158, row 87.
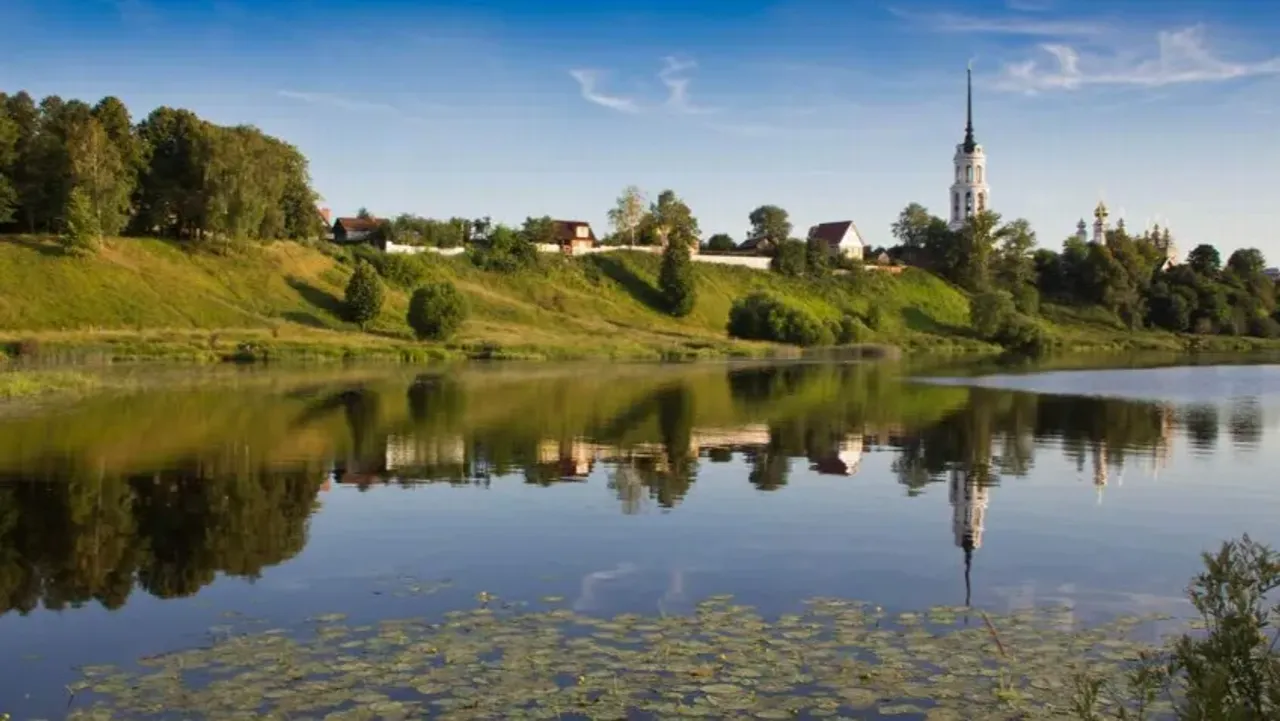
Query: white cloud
column 337, row 101
column 674, row 76
column 955, row 23
column 1182, row 57
column 588, row 81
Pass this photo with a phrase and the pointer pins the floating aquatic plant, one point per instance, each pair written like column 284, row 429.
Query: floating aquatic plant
column 838, row 658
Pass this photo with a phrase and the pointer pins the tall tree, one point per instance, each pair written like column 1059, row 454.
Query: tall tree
column 770, row 223
column 102, row 175
column 670, row 216
column 628, row 213
column 911, row 229
column 8, row 155
column 676, row 278
column 976, row 243
column 1205, row 260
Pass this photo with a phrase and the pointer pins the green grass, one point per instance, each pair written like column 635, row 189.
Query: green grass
column 27, row 384
column 152, row 299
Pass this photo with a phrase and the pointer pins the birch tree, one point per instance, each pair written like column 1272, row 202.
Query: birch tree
column 626, row 216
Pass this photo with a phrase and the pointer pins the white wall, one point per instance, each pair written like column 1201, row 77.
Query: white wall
column 415, row 249
column 759, row 262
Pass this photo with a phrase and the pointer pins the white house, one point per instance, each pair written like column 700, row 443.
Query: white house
column 841, row 236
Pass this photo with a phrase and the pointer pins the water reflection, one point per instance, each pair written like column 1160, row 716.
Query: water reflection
column 164, row 491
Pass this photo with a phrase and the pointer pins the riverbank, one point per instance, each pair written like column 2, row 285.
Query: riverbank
column 147, row 299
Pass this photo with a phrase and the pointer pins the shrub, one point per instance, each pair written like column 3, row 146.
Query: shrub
column 82, row 234
column 875, row 318
column 1264, row 327
column 363, row 298
column 990, row 312
column 789, row 258
column 436, row 311
column 676, row 279
column 765, row 316
column 1024, row 336
column 400, row 270
column 852, row 330
column 504, row 251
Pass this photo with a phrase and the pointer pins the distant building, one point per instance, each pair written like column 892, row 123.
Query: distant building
column 841, row 238
column 574, row 236
column 354, row 230
column 1272, row 273
column 970, row 194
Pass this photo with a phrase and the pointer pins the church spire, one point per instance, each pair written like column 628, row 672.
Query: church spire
column 969, row 142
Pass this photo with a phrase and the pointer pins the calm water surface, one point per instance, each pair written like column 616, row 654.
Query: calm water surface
column 134, row 522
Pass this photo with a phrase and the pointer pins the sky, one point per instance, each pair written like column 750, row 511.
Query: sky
column 833, row 109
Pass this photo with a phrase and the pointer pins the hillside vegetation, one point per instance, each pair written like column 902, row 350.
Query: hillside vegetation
column 141, row 298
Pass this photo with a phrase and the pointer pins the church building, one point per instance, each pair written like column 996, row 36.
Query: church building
column 969, row 192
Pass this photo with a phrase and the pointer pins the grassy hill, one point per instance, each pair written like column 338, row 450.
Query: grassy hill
column 151, row 298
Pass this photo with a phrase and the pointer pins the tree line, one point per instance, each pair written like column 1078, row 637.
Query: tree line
column 84, row 172
column 1130, row 276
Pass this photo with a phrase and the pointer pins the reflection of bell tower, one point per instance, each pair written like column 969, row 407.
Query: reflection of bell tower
column 968, row 516
column 1100, row 474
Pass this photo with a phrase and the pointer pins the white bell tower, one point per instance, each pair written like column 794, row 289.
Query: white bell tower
column 969, row 192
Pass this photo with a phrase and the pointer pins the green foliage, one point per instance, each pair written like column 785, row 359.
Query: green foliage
column 720, row 243
column 399, row 269
column 1205, row 260
column 1230, row 671
column 991, row 312
column 503, row 250
column 407, row 229
column 436, row 311
column 364, row 295
column 766, row 316
column 817, row 259
column 173, row 174
column 852, row 330
column 677, row 281
column 770, row 223
column 81, row 233
column 789, row 258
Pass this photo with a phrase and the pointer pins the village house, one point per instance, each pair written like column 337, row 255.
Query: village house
column 574, row 236
column 841, row 238
column 354, row 230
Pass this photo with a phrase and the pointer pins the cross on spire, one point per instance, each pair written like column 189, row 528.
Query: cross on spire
column 969, row 143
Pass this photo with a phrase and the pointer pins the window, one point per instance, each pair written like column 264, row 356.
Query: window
column 955, row 205
column 968, row 173
column 979, row 180
column 968, row 204
column 580, row 231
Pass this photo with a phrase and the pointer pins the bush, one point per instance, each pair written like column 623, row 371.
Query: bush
column 875, row 318
column 789, row 258
column 1024, row 336
column 363, row 298
column 82, row 234
column 1264, row 327
column 765, row 316
column 504, row 251
column 852, row 330
column 436, row 311
column 401, row 270
column 990, row 312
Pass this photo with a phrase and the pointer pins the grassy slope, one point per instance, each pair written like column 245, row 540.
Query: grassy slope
column 152, row 298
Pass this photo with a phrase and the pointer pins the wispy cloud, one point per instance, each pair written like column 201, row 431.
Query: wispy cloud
column 1012, row 25
column 674, row 75
column 1182, row 56
column 338, row 101
column 588, row 84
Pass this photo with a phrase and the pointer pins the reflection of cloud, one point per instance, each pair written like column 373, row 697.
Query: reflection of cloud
column 586, row 596
column 675, row 591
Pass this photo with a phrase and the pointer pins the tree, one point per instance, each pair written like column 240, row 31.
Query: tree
column 817, row 258
column 364, row 214
column 976, row 243
column 990, row 313
column 436, row 311
column 770, row 223
column 363, row 298
column 81, row 232
column 9, row 131
column 721, row 243
column 1246, row 262
column 670, row 215
column 676, row 278
column 913, row 226
column 789, row 258
column 98, row 170
column 628, row 213
column 1205, row 260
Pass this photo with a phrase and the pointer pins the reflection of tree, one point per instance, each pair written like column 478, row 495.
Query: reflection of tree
column 675, row 425
column 1201, row 421
column 89, row 536
column 1245, row 425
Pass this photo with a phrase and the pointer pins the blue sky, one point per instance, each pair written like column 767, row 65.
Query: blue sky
column 1170, row 111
